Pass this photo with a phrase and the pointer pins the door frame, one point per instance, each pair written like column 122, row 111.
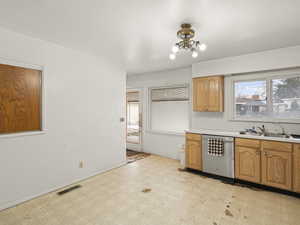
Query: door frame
column 135, row 146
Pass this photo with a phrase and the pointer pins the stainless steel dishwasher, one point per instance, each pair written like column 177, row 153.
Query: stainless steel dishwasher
column 219, row 165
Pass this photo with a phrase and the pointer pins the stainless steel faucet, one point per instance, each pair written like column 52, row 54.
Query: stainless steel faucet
column 262, row 129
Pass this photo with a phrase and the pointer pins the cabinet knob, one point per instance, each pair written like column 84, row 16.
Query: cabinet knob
column 267, row 154
column 257, row 152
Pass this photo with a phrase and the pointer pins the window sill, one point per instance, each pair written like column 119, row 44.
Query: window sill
column 165, row 132
column 266, row 120
column 22, row 134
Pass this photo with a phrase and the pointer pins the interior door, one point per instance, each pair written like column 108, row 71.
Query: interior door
column 133, row 121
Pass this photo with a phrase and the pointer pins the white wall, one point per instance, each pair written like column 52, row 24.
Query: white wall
column 170, row 115
column 166, row 145
column 268, row 60
column 84, row 99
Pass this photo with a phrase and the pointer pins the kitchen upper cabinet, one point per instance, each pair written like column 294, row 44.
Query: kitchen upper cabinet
column 296, row 169
column 247, row 163
column 277, row 164
column 208, row 94
column 193, row 151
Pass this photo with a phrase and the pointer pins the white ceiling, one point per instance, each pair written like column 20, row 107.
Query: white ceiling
column 143, row 31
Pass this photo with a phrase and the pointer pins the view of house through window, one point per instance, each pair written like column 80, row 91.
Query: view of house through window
column 250, row 98
column 272, row 98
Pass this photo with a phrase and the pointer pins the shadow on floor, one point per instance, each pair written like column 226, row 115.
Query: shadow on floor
column 133, row 156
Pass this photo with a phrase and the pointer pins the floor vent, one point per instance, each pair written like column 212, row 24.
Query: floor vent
column 68, row 189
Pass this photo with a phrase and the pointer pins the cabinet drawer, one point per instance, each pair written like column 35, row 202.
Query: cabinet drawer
column 277, row 146
column 195, row 137
column 247, row 142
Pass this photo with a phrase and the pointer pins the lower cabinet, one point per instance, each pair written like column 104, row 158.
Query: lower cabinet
column 277, row 169
column 270, row 163
column 247, row 163
column 193, row 151
column 296, row 169
column 267, row 162
column 277, row 164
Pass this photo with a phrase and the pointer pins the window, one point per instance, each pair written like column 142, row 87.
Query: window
column 20, row 99
column 169, row 109
column 250, row 99
column 269, row 98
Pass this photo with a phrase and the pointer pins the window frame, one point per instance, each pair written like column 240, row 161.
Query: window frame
column 149, row 111
column 267, row 76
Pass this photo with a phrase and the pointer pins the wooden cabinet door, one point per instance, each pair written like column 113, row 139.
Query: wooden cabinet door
column 193, row 154
column 277, row 169
column 247, row 164
column 296, row 169
column 208, row 94
column 215, row 94
column 200, row 94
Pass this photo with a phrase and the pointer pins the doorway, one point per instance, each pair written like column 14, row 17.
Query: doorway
column 133, row 120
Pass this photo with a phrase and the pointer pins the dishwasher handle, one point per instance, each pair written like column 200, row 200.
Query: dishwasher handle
column 225, row 139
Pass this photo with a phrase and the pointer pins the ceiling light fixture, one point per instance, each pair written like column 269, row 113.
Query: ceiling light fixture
column 186, row 34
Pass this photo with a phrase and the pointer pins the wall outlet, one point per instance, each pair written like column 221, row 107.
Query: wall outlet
column 81, row 164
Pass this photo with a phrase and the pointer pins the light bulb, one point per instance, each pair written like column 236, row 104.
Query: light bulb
column 202, row 47
column 175, row 49
column 194, row 54
column 172, row 56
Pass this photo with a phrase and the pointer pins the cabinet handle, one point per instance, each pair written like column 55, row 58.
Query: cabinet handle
column 267, row 154
column 257, row 152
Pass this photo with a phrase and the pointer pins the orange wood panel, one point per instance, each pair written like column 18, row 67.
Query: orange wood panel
column 20, row 99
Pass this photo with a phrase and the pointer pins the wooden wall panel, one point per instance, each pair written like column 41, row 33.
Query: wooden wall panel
column 20, row 99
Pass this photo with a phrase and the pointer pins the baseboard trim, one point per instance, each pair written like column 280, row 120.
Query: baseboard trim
column 11, row 204
column 247, row 184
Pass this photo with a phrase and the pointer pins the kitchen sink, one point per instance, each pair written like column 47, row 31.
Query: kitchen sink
column 267, row 134
column 276, row 135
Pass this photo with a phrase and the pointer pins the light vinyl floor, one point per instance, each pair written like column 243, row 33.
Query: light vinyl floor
column 176, row 198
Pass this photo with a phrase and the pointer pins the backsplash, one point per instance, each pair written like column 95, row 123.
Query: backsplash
column 219, row 121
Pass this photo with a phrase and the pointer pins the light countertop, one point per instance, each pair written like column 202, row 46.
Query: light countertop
column 237, row 134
